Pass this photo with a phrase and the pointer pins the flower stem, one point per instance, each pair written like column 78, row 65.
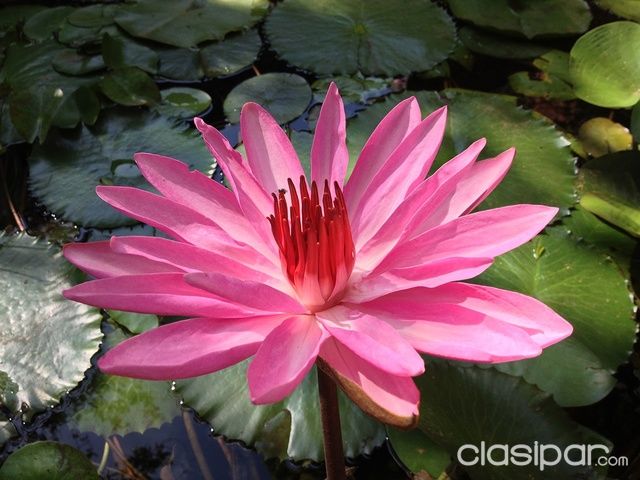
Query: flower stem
column 331, row 432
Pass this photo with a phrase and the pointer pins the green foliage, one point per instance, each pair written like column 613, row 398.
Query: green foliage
column 374, row 37
column 603, row 69
column 50, row 460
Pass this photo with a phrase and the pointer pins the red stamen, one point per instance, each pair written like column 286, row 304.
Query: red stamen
column 315, row 243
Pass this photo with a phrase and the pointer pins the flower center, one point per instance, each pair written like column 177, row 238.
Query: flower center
column 314, row 238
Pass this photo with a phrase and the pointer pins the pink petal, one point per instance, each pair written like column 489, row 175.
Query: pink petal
column 452, row 331
column 188, row 348
column 404, row 170
column 474, row 187
column 284, row 358
column 97, row 259
column 176, row 220
column 431, row 274
column 388, row 398
column 157, row 293
column 425, row 199
column 386, row 137
column 270, row 155
column 329, row 155
column 251, row 195
column 188, row 258
column 544, row 326
column 373, row 340
column 245, row 292
column 198, row 192
column 485, row 234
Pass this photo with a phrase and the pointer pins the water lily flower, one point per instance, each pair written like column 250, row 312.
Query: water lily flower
column 356, row 275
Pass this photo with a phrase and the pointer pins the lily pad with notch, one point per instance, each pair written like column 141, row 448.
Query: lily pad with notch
column 373, row 36
column 285, row 95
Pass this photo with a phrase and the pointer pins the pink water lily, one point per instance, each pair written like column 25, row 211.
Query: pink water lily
column 358, row 276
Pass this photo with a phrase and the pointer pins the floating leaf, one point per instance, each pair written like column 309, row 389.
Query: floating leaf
column 604, row 70
column 119, row 52
column 50, row 460
column 231, row 55
column 465, row 405
column 134, row 322
column 12, row 15
column 600, row 136
column 541, row 150
column 185, row 23
column 285, row 95
column 531, row 19
column 623, row 8
column 130, row 86
column 553, row 81
column 183, row 102
column 418, row 452
column 71, row 62
column 179, row 63
column 93, row 16
column 33, row 110
column 77, row 37
column 357, row 88
column 114, row 405
column 290, row 428
column 43, row 24
column 373, row 36
column 46, row 342
column 585, row 226
column 499, row 46
column 609, row 188
column 8, row 133
column 67, row 168
column 584, row 286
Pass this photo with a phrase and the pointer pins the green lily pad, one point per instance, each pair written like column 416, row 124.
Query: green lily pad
column 50, row 460
column 183, row 102
column 8, row 134
column 130, row 86
column 93, row 16
column 231, row 54
column 290, row 428
column 465, row 405
column 540, row 148
column 354, row 89
column 589, row 290
column 499, row 46
column 38, row 91
column 46, row 342
column 531, row 19
column 119, row 52
column 185, row 23
column 134, row 322
column 114, row 405
column 77, row 37
column 179, row 63
column 43, row 24
column 33, row 110
column 609, row 188
column 71, row 62
column 284, row 95
column 604, row 70
column 585, row 226
column 15, row 14
column 373, row 36
column 552, row 82
column 67, row 168
column 623, row 8
column 418, row 452
column 600, row 136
